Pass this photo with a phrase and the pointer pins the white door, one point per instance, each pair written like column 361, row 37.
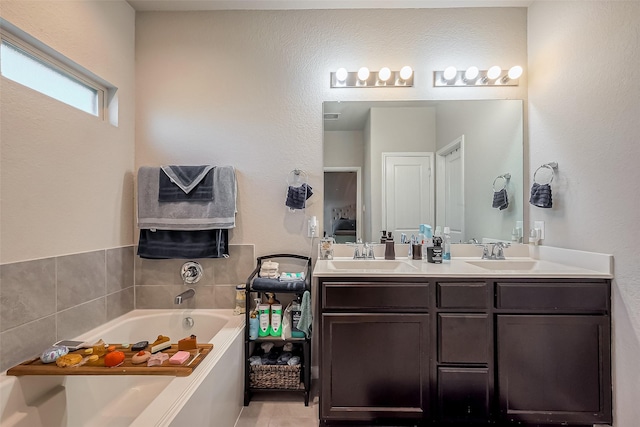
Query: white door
column 408, row 198
column 450, row 189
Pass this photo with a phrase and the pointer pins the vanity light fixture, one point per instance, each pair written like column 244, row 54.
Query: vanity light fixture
column 472, row 76
column 366, row 78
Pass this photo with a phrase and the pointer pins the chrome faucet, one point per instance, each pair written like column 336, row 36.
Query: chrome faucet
column 189, row 293
column 496, row 252
column 366, row 253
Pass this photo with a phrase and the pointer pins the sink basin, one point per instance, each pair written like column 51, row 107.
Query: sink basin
column 371, row 265
column 505, row 264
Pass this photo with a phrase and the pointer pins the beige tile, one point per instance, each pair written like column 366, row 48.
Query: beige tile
column 81, row 318
column 162, row 297
column 253, row 422
column 120, row 303
column 293, row 422
column 26, row 341
column 237, row 267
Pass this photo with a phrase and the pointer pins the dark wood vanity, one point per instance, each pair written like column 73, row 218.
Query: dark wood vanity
column 464, row 351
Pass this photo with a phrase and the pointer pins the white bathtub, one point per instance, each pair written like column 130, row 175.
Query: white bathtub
column 210, row 396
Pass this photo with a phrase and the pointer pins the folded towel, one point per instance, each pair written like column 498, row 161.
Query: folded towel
column 297, row 196
column 170, row 244
column 273, row 284
column 500, row 199
column 185, row 183
column 218, row 213
column 306, row 317
column 541, row 195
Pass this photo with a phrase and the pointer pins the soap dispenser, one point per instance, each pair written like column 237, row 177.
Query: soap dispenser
column 389, row 248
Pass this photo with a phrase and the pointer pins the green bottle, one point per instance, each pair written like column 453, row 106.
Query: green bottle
column 275, row 328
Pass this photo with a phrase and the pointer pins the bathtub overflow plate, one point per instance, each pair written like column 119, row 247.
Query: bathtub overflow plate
column 188, row 322
column 191, row 272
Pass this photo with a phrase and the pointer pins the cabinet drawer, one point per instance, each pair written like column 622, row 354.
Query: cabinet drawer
column 464, row 394
column 553, row 296
column 464, row 338
column 375, row 296
column 462, row 295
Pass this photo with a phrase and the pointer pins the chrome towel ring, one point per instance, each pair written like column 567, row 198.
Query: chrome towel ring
column 552, row 166
column 505, row 179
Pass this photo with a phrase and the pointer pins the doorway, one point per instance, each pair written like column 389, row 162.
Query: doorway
column 342, row 203
column 450, row 188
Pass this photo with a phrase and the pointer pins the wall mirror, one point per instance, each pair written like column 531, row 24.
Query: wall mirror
column 393, row 165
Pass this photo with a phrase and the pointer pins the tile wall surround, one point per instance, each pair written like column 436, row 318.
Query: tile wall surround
column 45, row 300
column 157, row 282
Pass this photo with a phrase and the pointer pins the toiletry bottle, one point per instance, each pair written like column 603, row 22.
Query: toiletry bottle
column 446, row 244
column 296, row 312
column 383, row 238
column 434, row 253
column 275, row 327
column 264, row 318
column 389, row 248
column 427, row 239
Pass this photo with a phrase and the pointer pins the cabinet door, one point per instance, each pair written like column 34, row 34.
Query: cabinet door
column 554, row 369
column 374, row 366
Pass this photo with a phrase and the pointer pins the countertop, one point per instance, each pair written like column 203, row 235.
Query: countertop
column 530, row 262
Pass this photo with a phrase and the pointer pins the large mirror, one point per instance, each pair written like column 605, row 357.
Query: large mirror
column 393, row 165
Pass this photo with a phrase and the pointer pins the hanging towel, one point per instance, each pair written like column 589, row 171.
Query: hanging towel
column 500, row 199
column 541, row 195
column 169, row 244
column 297, row 196
column 306, row 317
column 218, row 213
column 185, row 183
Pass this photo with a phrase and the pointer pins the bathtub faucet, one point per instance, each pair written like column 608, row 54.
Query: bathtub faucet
column 189, row 293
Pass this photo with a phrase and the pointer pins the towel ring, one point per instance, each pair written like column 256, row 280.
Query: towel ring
column 506, row 177
column 296, row 178
column 551, row 166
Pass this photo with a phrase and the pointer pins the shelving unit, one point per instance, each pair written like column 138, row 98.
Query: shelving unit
column 299, row 378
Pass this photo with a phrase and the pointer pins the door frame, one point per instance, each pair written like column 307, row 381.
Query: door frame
column 441, row 165
column 383, row 190
column 359, row 206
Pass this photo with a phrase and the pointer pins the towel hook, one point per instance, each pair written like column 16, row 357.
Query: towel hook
column 552, row 166
column 505, row 177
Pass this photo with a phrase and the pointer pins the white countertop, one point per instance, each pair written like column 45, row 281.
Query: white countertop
column 527, row 262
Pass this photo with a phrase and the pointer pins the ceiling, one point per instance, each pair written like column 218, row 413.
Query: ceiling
column 186, row 5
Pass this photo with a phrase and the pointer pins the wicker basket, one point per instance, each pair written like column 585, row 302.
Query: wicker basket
column 275, row 376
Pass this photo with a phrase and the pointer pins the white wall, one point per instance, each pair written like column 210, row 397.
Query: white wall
column 246, row 88
column 493, row 135
column 66, row 183
column 584, row 110
column 343, row 148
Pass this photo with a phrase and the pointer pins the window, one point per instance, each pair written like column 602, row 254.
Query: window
column 66, row 82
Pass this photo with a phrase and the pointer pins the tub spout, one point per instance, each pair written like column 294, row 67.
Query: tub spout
column 189, row 293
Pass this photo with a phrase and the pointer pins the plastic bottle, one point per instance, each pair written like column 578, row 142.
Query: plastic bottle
column 446, row 245
column 296, row 312
column 389, row 248
column 427, row 239
column 264, row 319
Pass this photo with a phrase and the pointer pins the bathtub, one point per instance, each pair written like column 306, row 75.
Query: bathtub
column 210, row 396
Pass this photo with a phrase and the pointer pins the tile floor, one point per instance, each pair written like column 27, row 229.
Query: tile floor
column 280, row 410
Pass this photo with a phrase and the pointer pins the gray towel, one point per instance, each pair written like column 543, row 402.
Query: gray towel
column 187, row 215
column 185, row 183
column 306, row 318
column 541, row 195
column 500, row 199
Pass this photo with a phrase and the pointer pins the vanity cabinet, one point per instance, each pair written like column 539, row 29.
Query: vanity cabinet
column 375, row 347
column 471, row 351
column 553, row 352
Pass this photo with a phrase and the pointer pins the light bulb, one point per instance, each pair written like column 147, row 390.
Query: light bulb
column 363, row 74
column 384, row 74
column 405, row 72
column 471, row 73
column 341, row 74
column 450, row 73
column 515, row 72
column 494, row 72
